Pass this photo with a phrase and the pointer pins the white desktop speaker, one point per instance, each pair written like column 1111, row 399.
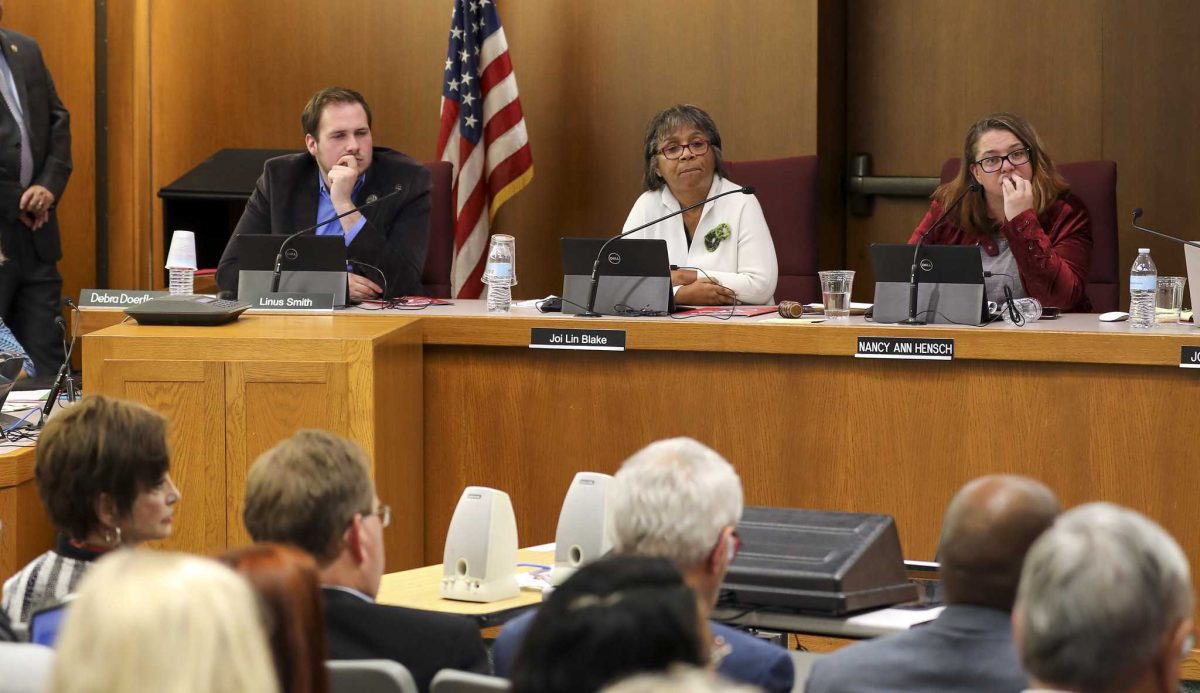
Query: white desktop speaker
column 583, row 525
column 480, row 562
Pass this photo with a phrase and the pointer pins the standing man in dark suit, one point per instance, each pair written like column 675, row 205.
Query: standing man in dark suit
column 385, row 243
column 313, row 491
column 989, row 526
column 35, row 163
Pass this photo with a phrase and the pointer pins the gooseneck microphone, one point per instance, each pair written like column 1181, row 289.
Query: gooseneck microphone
column 64, row 373
column 914, row 277
column 591, row 302
column 1137, row 213
column 278, row 271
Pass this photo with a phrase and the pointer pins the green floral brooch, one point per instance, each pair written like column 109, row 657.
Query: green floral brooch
column 713, row 238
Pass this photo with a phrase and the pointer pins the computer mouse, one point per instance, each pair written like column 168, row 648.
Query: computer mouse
column 1114, row 316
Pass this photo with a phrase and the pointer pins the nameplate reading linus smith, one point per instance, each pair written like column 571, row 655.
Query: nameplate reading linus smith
column 587, row 340
column 287, row 302
column 919, row 349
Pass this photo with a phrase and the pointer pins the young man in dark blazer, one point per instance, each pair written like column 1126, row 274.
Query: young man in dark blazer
column 313, row 491
column 385, row 242
column 35, row 163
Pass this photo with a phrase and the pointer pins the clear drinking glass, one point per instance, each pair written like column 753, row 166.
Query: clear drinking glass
column 835, row 293
column 1029, row 308
column 1168, row 299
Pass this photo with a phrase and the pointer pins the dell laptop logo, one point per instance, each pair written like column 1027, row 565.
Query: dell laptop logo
column 614, row 259
column 926, row 264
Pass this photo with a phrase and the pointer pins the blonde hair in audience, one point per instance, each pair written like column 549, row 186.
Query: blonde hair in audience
column 680, row 679
column 163, row 623
column 672, row 499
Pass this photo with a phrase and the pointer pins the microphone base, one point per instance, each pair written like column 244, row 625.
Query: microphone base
column 912, row 321
column 588, row 314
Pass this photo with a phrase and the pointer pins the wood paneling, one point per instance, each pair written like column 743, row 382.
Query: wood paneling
column 25, row 531
column 590, row 73
column 1150, row 110
column 191, row 395
column 920, row 72
column 234, row 391
column 66, row 30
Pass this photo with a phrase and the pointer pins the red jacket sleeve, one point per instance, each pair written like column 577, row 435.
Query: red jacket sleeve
column 1053, row 256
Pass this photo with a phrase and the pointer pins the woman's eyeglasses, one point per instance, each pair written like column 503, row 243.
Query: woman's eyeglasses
column 991, row 164
column 674, row 151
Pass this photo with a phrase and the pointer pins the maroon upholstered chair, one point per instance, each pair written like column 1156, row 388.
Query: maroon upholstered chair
column 787, row 191
column 440, row 255
column 1094, row 182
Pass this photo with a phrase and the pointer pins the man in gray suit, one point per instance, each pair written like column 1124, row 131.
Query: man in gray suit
column 1105, row 605
column 989, row 526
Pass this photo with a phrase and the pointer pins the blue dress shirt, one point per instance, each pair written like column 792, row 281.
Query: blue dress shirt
column 325, row 210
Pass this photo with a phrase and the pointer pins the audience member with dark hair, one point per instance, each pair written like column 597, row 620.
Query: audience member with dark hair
column 679, row 500
column 289, row 588
column 1105, row 605
column 103, row 474
column 989, row 526
column 314, row 491
column 618, row 616
column 680, row 679
column 155, row 621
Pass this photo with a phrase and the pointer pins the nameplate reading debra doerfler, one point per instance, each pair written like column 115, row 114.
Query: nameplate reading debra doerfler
column 1189, row 357
column 587, row 340
column 116, row 298
column 910, row 348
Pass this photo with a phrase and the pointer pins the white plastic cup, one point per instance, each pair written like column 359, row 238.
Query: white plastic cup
column 182, row 254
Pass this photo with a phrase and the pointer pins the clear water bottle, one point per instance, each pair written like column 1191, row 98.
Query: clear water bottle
column 182, row 281
column 1029, row 309
column 500, row 273
column 1143, row 281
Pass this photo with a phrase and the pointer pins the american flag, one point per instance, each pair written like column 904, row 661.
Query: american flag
column 479, row 102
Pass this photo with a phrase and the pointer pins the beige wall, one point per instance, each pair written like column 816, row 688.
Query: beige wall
column 235, row 73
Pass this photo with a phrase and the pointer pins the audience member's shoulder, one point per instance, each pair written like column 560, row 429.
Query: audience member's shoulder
column 751, row 660
column 429, row 622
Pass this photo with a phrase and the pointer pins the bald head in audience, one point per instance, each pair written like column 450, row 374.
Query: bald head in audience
column 989, row 526
column 1105, row 604
column 987, row 531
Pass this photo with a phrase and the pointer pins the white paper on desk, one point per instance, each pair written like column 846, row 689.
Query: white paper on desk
column 532, row 303
column 527, row 581
column 895, row 619
column 28, row 396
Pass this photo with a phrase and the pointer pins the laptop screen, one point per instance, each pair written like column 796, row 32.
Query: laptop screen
column 311, row 264
column 634, row 276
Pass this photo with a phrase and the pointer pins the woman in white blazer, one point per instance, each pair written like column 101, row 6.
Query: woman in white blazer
column 723, row 249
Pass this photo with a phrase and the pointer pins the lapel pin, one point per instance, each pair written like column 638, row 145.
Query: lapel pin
column 13, row 47
column 371, row 199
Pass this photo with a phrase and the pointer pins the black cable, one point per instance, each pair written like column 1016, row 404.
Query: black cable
column 716, row 316
column 381, row 275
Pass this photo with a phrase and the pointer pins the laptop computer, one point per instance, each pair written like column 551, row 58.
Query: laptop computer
column 1191, row 255
column 311, row 265
column 951, row 290
column 635, row 276
column 10, row 369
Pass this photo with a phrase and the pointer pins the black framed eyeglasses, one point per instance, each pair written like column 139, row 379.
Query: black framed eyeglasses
column 991, row 164
column 675, row 150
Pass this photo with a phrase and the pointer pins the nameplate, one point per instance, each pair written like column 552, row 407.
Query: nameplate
column 287, row 302
column 912, row 348
column 587, row 340
column 1189, row 357
column 116, row 298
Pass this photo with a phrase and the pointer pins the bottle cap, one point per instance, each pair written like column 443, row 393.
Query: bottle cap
column 1143, row 250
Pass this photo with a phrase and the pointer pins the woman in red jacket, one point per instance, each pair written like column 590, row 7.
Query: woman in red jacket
column 1034, row 235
